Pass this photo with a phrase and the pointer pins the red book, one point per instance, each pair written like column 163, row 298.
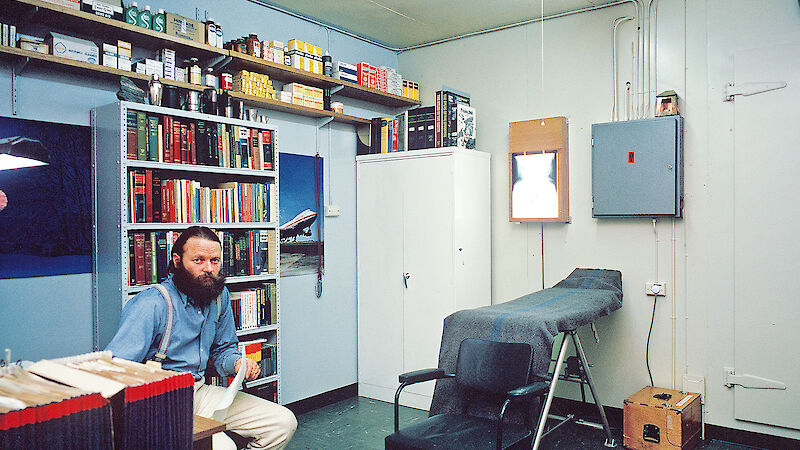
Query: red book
column 148, row 196
column 138, row 256
column 164, row 201
column 156, row 198
column 132, row 136
column 176, row 141
column 192, row 146
column 184, row 144
column 148, row 260
column 255, row 150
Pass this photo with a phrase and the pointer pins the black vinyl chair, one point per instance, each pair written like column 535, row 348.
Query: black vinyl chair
column 486, row 370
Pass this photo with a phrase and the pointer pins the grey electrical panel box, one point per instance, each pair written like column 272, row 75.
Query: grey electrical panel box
column 637, row 168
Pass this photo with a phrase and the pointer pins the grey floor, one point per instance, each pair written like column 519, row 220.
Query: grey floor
column 362, row 423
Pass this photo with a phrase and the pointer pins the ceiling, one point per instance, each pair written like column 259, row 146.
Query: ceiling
column 400, row 24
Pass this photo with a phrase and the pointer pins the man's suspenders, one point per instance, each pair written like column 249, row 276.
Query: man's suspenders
column 161, row 354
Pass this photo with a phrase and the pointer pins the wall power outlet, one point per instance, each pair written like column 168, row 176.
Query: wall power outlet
column 655, row 288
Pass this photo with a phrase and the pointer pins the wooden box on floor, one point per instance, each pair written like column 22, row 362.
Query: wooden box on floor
column 658, row 418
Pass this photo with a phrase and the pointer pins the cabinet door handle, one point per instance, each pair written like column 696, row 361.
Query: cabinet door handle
column 406, row 276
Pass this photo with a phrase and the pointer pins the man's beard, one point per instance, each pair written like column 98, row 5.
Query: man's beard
column 201, row 290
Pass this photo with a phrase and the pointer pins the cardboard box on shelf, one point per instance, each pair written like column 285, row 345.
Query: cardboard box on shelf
column 103, row 9
column 73, row 48
column 185, row 28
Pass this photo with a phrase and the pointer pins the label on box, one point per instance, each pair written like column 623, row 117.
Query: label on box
column 102, row 9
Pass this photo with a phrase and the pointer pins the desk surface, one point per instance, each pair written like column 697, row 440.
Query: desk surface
column 204, row 427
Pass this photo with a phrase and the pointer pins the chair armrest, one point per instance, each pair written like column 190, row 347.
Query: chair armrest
column 533, row 389
column 419, row 376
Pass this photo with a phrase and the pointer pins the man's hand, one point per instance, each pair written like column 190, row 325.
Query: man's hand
column 251, row 372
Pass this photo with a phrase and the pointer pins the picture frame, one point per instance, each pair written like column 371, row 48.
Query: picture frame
column 538, row 171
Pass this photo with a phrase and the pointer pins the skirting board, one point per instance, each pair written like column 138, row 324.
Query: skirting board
column 324, row 399
column 409, row 399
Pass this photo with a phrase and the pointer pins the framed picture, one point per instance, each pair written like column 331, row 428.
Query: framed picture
column 45, row 209
column 538, row 188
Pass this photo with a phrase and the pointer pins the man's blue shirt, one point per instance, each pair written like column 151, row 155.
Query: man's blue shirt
column 197, row 333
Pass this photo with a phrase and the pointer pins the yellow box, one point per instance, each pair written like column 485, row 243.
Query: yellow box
column 295, row 44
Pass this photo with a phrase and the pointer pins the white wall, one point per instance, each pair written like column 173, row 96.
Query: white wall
column 503, row 72
column 318, row 334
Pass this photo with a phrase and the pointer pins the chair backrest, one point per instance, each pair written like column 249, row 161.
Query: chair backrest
column 493, row 367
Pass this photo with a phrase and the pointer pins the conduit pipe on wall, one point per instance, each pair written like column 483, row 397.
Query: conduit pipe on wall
column 614, row 68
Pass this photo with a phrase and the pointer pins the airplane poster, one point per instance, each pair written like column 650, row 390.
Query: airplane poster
column 45, row 198
column 301, row 235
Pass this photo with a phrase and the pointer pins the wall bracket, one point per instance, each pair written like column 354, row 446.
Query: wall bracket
column 734, row 89
column 322, row 121
column 748, row 381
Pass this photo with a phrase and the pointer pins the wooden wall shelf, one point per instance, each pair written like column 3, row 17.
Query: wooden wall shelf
column 109, row 30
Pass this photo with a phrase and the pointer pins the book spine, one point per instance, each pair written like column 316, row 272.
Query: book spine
column 167, row 139
column 192, row 141
column 148, row 196
column 138, row 242
column 438, row 119
column 132, row 135
column 184, row 144
column 141, row 136
column 139, row 196
column 152, row 138
column 156, row 189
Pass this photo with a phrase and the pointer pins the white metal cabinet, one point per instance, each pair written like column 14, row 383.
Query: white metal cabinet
column 423, row 252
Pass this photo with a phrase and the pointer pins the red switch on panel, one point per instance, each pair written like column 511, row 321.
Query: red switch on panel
column 631, row 157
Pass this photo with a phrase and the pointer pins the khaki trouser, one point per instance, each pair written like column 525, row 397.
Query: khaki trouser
column 269, row 424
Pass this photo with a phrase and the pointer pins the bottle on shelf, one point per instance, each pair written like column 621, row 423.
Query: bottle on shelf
column 160, row 21
column 327, row 65
column 211, row 32
column 132, row 14
column 145, row 18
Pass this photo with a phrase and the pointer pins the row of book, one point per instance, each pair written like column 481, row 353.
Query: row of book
column 449, row 123
column 56, row 404
column 264, row 353
column 454, row 121
column 163, row 138
column 244, row 252
column 255, row 307
column 152, row 199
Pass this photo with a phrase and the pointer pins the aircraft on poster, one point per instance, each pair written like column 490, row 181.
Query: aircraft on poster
column 300, row 225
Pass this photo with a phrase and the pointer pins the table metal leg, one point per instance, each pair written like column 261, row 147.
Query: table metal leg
column 546, row 407
column 579, row 348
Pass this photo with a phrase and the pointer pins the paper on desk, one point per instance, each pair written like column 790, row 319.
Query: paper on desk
column 222, row 407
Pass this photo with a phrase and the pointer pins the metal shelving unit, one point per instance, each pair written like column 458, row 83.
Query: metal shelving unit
column 111, row 227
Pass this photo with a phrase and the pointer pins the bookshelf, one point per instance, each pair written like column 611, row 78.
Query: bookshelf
column 87, row 25
column 118, row 223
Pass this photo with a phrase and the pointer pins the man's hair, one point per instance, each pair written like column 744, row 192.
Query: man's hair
column 195, row 231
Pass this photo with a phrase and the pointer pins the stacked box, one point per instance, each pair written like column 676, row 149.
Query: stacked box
column 256, row 84
column 394, row 82
column 110, row 55
column 167, row 57
column 381, row 77
column 9, row 35
column 410, row 90
column 300, row 94
column 124, row 55
column 305, row 56
column 346, row 72
column 367, row 75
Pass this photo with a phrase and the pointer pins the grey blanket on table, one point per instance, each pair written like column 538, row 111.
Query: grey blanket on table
column 536, row 318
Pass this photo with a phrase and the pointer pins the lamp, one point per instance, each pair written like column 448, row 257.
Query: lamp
column 17, row 152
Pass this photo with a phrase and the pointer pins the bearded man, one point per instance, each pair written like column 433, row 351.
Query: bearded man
column 203, row 333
